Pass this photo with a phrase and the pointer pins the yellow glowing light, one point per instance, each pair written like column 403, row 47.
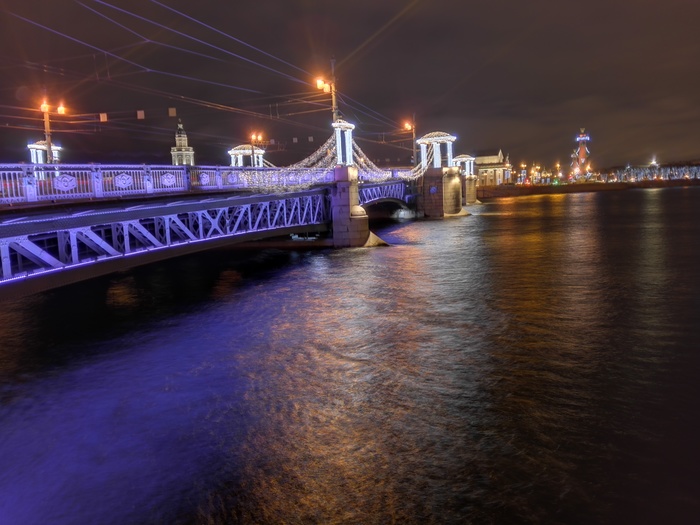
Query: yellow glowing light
column 320, row 83
column 44, row 107
column 407, row 126
column 61, row 109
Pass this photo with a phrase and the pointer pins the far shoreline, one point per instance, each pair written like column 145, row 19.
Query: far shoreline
column 486, row 193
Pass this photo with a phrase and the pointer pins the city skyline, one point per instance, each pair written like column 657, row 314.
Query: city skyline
column 520, row 78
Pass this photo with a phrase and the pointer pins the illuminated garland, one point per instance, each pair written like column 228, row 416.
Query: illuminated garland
column 278, row 181
column 323, row 157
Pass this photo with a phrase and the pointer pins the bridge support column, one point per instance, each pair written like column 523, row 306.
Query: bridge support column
column 441, row 193
column 470, row 189
column 350, row 221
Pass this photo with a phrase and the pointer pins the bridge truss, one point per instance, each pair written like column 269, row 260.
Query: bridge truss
column 399, row 191
column 30, row 247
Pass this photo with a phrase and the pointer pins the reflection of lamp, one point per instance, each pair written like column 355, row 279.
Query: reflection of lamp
column 45, row 109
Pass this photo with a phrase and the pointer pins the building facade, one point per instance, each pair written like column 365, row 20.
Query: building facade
column 492, row 168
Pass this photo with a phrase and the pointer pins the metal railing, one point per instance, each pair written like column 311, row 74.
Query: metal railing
column 32, row 183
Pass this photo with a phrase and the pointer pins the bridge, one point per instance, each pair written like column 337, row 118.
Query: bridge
column 63, row 223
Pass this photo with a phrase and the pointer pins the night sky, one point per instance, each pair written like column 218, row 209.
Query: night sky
column 518, row 75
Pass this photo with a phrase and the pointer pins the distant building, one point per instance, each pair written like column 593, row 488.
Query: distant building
column 183, row 155
column 492, row 168
column 37, row 152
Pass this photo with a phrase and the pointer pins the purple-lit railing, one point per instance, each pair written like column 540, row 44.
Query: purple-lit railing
column 32, row 183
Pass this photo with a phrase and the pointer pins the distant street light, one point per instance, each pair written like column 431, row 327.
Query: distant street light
column 46, row 109
column 255, row 138
column 411, row 126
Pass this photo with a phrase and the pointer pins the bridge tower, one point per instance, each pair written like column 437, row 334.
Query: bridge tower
column 38, row 154
column 466, row 163
column 239, row 153
column 580, row 156
column 350, row 220
column 442, row 185
column 343, row 142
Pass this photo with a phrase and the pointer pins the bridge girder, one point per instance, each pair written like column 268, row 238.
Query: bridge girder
column 119, row 239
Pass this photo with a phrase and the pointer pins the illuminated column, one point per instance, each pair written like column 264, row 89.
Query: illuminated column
column 437, row 156
column 256, row 157
column 423, row 155
column 338, row 146
column 348, row 147
column 449, row 153
column 236, row 156
column 343, row 142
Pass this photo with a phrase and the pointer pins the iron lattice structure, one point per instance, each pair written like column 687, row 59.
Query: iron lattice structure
column 51, row 244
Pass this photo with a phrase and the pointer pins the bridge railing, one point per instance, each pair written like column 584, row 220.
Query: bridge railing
column 29, row 183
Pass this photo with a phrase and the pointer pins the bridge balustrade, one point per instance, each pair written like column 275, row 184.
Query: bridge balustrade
column 20, row 184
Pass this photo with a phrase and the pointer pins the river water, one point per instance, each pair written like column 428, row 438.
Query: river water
column 535, row 362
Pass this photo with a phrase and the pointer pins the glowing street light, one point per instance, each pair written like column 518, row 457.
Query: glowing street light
column 255, row 138
column 411, row 126
column 46, row 109
column 329, row 87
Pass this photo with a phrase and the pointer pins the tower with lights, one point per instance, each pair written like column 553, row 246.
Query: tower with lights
column 579, row 157
column 182, row 153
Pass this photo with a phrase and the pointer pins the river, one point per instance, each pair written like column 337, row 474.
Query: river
column 535, row 362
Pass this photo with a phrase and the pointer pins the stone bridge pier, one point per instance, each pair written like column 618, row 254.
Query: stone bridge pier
column 350, row 221
column 470, row 189
column 441, row 194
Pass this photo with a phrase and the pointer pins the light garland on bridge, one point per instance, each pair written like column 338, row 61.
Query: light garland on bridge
column 323, row 157
column 278, row 182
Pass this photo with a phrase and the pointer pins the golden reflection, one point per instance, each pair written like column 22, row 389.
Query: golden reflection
column 334, row 445
column 123, row 293
column 227, row 281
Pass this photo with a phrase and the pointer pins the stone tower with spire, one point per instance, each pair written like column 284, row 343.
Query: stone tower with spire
column 183, row 155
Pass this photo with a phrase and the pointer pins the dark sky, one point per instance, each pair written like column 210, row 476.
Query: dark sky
column 518, row 75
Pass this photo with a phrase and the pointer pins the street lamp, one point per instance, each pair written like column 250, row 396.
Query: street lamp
column 411, row 126
column 329, row 87
column 255, row 138
column 45, row 109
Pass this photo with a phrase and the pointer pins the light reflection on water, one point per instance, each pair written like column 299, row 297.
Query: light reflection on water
column 532, row 363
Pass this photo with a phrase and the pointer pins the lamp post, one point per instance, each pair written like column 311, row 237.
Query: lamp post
column 45, row 109
column 255, row 138
column 411, row 126
column 329, row 87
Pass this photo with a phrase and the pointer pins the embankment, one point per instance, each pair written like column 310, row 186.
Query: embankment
column 486, row 193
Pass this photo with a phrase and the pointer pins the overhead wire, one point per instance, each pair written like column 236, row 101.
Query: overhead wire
column 348, row 101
